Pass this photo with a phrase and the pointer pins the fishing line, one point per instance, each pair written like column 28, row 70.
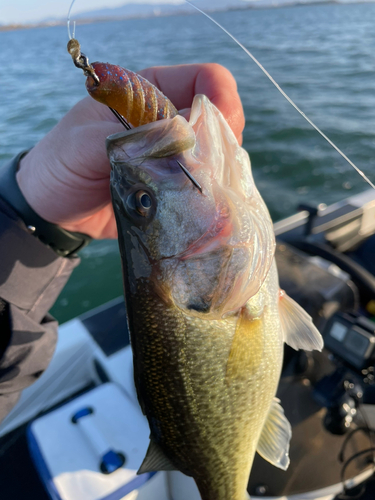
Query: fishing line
column 283, row 93
column 68, row 22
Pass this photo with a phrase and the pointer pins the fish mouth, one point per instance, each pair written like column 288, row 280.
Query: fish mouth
column 217, row 235
column 156, row 140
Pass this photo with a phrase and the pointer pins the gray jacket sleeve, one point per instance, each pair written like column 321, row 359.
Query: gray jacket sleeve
column 31, row 278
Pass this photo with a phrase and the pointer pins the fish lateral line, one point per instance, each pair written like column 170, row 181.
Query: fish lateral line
column 284, row 94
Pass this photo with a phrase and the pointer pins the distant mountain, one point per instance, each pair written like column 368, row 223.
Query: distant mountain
column 132, row 10
column 146, row 10
column 149, row 10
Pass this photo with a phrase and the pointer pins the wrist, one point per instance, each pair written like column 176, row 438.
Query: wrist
column 63, row 242
column 31, row 181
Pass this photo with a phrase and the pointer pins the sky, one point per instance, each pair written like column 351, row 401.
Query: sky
column 24, row 11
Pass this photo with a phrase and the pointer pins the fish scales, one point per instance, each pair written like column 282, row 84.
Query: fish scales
column 205, row 421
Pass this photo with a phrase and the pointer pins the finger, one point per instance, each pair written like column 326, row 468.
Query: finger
column 182, row 83
column 101, row 225
column 88, row 110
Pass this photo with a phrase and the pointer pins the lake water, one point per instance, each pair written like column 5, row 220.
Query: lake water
column 322, row 55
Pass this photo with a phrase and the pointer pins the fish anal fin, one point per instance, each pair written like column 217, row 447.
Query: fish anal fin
column 247, row 347
column 297, row 326
column 273, row 444
column 155, row 460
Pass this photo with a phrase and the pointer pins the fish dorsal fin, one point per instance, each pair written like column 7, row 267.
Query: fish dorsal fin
column 273, row 444
column 155, row 460
column 297, row 326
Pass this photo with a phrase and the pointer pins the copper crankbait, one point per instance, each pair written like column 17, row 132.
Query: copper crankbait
column 127, row 93
column 130, row 97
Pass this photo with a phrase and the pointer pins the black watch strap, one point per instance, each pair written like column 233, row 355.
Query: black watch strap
column 64, row 243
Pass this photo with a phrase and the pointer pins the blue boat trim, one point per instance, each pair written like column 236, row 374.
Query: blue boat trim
column 82, row 413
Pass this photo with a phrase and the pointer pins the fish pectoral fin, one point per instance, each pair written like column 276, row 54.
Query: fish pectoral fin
column 273, row 444
column 297, row 326
column 155, row 460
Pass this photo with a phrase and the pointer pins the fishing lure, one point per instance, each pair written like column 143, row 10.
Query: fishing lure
column 130, row 97
column 128, row 94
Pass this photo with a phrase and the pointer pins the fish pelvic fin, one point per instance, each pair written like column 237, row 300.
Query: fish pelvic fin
column 273, row 444
column 155, row 460
column 297, row 326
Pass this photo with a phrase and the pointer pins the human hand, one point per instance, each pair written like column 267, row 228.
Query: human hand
column 65, row 177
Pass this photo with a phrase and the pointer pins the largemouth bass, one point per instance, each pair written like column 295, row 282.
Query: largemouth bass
column 206, row 316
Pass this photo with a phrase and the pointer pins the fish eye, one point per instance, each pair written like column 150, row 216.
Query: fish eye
column 140, row 204
column 143, row 202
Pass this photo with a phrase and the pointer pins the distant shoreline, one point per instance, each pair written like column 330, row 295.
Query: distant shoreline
column 291, row 3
